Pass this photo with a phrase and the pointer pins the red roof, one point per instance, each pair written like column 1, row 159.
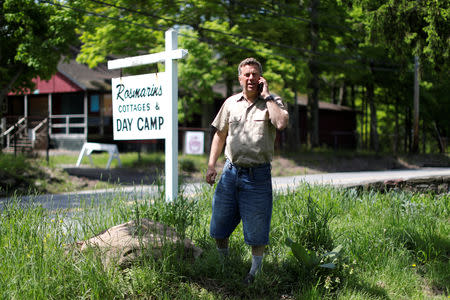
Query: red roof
column 57, row 84
column 75, row 77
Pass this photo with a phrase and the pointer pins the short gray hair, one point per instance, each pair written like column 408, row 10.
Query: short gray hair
column 250, row 61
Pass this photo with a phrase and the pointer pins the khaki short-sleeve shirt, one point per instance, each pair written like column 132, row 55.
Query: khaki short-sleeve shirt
column 250, row 133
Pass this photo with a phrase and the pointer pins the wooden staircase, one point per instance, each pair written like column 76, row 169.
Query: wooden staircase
column 21, row 144
column 25, row 136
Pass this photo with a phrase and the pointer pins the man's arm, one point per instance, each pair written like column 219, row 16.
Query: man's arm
column 278, row 116
column 216, row 149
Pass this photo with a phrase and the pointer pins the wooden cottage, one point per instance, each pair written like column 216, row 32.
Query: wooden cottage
column 74, row 105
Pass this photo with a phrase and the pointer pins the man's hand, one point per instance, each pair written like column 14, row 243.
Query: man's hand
column 211, row 175
column 265, row 90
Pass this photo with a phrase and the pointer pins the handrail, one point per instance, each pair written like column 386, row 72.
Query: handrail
column 6, row 132
column 36, row 128
column 39, row 125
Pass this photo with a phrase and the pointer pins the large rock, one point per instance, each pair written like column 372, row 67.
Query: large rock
column 122, row 244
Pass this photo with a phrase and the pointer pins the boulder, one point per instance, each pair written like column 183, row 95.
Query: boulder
column 122, row 244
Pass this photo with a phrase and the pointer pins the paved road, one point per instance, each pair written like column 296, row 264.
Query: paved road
column 75, row 200
column 348, row 179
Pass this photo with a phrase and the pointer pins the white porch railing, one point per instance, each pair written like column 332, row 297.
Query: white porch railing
column 68, row 125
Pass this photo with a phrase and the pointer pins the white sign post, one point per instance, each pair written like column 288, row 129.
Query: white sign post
column 146, row 106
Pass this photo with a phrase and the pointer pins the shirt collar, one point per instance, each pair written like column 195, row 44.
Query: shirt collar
column 240, row 97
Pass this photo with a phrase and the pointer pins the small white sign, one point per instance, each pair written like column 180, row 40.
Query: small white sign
column 140, row 107
column 194, row 142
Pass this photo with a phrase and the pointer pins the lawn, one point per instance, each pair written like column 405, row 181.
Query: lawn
column 394, row 245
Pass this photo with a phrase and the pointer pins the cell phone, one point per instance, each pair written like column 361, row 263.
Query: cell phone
column 260, row 87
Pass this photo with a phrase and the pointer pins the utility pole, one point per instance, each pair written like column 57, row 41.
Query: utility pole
column 415, row 146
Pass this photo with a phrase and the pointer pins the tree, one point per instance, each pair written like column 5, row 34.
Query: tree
column 33, row 36
column 129, row 28
column 198, row 74
column 408, row 29
column 311, row 46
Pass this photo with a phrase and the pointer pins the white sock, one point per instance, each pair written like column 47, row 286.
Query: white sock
column 256, row 264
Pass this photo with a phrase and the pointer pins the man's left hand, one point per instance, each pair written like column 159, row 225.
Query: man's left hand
column 211, row 174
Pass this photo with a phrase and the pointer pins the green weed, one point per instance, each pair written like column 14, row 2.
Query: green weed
column 394, row 245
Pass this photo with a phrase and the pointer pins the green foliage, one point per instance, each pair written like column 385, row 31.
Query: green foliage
column 358, row 44
column 33, row 36
column 198, row 75
column 384, row 238
column 18, row 175
column 317, row 265
column 315, row 232
column 180, row 214
column 410, row 27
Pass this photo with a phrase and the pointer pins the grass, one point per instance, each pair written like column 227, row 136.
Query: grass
column 133, row 160
column 24, row 175
column 396, row 245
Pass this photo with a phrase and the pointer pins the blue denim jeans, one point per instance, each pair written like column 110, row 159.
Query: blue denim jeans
column 243, row 194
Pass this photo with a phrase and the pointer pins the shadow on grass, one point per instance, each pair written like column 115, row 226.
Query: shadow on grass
column 222, row 278
column 354, row 283
column 431, row 252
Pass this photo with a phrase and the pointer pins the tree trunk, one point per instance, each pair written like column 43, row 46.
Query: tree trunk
column 365, row 118
column 424, row 137
column 374, row 144
column 313, row 96
column 4, row 90
column 415, row 144
column 439, row 138
column 295, row 115
column 333, row 93
column 343, row 94
column 407, row 130
column 396, row 129
column 352, row 96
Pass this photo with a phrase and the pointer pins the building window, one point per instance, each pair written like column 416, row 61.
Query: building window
column 95, row 103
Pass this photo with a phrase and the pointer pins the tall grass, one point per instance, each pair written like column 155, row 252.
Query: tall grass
column 395, row 246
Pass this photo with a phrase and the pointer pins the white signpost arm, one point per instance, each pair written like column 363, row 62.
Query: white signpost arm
column 146, row 59
column 171, row 147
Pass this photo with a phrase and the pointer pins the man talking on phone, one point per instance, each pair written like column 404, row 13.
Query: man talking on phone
column 246, row 125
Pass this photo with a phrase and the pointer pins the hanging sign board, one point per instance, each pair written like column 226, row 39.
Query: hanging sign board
column 141, row 107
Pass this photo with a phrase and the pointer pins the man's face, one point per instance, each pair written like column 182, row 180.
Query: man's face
column 249, row 79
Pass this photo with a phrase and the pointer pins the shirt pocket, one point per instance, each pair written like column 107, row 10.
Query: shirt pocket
column 260, row 122
column 234, row 124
